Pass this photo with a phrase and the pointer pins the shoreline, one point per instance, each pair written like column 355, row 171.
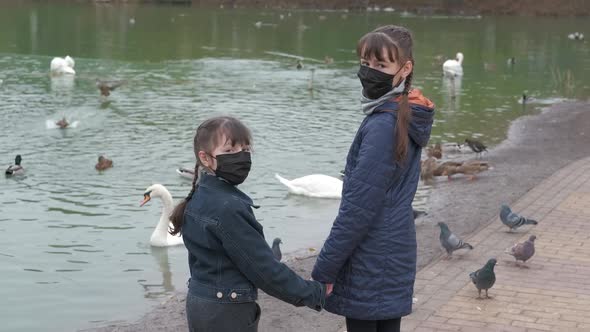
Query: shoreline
column 542, row 8
column 536, row 147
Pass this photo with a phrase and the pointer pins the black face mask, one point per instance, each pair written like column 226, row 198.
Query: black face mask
column 375, row 83
column 233, row 167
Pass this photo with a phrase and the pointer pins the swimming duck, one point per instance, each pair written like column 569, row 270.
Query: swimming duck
column 16, row 169
column 63, row 123
column 103, row 163
column 576, row 36
column 106, row 87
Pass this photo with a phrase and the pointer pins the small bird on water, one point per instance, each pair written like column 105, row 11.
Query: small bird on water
column 15, row 169
column 103, row 163
column 484, row 278
column 106, row 87
column 276, row 249
column 63, row 123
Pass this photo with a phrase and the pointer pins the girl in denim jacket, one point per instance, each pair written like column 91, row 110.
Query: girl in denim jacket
column 229, row 258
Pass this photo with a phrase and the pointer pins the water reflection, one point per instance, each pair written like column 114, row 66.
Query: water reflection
column 451, row 92
column 156, row 290
column 62, row 83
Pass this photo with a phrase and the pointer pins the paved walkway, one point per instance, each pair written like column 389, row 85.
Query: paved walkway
column 552, row 294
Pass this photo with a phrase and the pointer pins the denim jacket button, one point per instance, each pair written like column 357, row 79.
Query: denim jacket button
column 234, row 295
column 219, row 295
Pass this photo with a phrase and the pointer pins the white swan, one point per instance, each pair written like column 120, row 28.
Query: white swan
column 454, row 67
column 160, row 237
column 61, row 66
column 315, row 185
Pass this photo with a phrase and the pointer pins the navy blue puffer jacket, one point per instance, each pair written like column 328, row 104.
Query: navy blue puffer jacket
column 370, row 254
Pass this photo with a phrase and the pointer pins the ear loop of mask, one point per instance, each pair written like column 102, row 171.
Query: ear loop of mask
column 402, row 79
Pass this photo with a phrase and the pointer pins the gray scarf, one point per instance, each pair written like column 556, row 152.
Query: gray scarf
column 369, row 105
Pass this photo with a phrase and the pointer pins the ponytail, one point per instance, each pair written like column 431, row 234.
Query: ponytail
column 404, row 114
column 177, row 216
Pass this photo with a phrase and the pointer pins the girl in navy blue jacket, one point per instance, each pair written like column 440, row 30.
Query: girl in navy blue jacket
column 369, row 258
column 229, row 258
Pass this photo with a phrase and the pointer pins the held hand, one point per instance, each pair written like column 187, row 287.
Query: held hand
column 329, row 289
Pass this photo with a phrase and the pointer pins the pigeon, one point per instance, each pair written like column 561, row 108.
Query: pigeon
column 484, row 278
column 523, row 251
column 276, row 249
column 450, row 241
column 418, row 213
column 476, row 146
column 103, row 163
column 106, row 87
column 513, row 220
column 16, row 169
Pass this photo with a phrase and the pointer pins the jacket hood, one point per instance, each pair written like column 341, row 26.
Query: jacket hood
column 422, row 115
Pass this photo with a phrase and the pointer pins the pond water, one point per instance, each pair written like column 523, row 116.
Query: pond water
column 74, row 243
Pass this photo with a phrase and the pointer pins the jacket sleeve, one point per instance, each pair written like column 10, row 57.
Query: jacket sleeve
column 248, row 249
column 363, row 197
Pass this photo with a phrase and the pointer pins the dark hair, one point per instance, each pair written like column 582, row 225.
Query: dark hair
column 397, row 42
column 208, row 137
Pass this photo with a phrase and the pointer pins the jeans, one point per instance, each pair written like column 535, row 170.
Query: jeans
column 357, row 325
column 209, row 316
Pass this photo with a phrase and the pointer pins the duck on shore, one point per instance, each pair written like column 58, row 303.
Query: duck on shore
column 470, row 168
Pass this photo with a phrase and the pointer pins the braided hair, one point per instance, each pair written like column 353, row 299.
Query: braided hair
column 210, row 134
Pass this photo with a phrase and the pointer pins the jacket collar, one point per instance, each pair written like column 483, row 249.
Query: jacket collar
column 218, row 184
column 422, row 118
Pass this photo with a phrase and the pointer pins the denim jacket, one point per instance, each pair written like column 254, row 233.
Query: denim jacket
column 229, row 259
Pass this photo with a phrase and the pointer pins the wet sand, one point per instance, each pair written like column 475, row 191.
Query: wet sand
column 536, row 147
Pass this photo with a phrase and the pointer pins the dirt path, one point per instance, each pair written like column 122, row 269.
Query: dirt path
column 536, row 147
